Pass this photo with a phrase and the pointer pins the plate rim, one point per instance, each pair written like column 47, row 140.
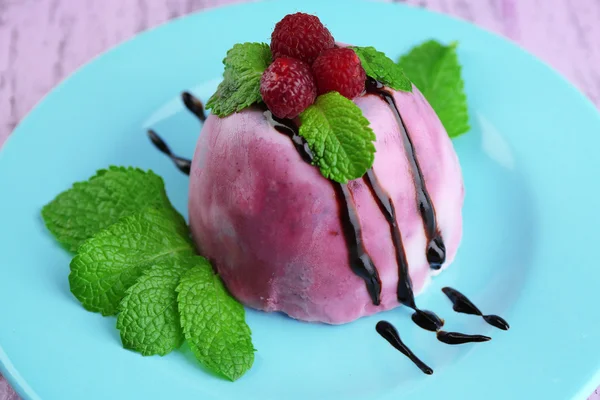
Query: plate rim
column 10, row 373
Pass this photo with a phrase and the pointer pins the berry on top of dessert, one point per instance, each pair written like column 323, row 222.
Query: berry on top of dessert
column 339, row 70
column 288, row 87
column 301, row 36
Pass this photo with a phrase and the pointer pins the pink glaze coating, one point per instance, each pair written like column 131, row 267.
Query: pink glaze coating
column 269, row 221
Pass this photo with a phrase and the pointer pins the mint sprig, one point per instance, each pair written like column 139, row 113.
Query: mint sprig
column 339, row 137
column 149, row 319
column 213, row 323
column 109, row 263
column 240, row 88
column 134, row 263
column 435, row 70
column 88, row 207
column 378, row 66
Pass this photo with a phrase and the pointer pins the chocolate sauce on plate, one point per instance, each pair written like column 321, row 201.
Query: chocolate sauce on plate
column 461, row 304
column 460, row 338
column 182, row 164
column 427, row 320
column 389, row 333
column 194, row 105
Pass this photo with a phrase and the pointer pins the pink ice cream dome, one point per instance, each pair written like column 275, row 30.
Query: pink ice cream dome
column 285, row 238
column 272, row 225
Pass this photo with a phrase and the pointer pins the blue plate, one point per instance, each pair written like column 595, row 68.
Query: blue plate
column 531, row 172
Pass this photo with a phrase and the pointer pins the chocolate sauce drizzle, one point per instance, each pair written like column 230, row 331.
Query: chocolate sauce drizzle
column 360, row 260
column 461, row 304
column 182, row 164
column 425, row 319
column 389, row 333
column 386, row 206
column 460, row 338
column 436, row 250
column 195, row 106
column 289, row 129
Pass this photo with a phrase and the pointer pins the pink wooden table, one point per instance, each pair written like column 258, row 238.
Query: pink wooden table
column 43, row 41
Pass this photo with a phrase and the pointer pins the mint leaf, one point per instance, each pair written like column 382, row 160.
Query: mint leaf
column 213, row 323
column 109, row 263
column 240, row 88
column 339, row 137
column 149, row 318
column 435, row 70
column 378, row 66
column 88, row 207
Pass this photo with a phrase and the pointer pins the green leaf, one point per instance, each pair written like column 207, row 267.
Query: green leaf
column 88, row 207
column 109, row 263
column 240, row 88
column 435, row 70
column 378, row 66
column 339, row 137
column 213, row 323
column 149, row 318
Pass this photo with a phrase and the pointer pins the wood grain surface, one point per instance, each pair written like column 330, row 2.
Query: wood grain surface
column 43, row 41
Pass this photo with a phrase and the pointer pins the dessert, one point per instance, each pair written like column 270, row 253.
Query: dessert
column 323, row 186
column 285, row 238
column 272, row 225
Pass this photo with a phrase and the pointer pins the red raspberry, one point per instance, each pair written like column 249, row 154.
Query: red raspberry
column 288, row 87
column 339, row 70
column 300, row 36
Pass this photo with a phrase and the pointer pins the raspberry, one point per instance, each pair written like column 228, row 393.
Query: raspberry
column 300, row 36
column 288, row 87
column 339, row 70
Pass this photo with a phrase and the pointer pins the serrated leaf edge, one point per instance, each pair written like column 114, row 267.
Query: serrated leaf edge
column 394, row 85
column 211, row 104
column 186, row 331
column 364, row 122
column 121, row 308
